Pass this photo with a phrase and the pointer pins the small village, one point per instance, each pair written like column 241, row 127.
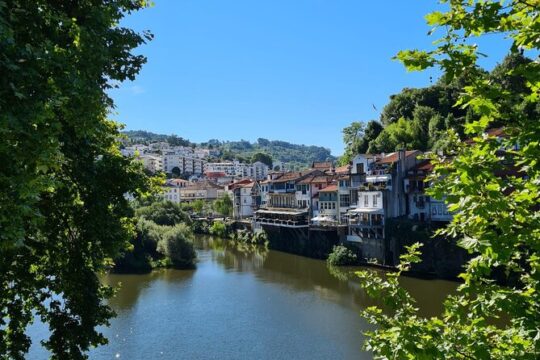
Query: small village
column 352, row 202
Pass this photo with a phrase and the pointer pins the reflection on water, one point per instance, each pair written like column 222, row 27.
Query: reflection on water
column 245, row 301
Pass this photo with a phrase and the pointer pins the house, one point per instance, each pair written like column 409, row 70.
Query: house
column 171, row 190
column 379, row 196
column 322, row 165
column 246, row 197
column 219, row 177
column 328, row 204
column 281, row 207
column 201, row 190
column 420, row 206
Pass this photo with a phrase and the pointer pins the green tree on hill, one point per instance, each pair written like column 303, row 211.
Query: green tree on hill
column 262, row 157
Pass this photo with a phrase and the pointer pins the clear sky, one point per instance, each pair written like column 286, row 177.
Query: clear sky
column 293, row 70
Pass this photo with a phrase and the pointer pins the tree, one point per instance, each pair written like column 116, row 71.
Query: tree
column 224, row 205
column 357, row 138
column 262, row 157
column 164, row 213
column 198, row 206
column 373, row 129
column 176, row 171
column 177, row 245
column 63, row 213
column 493, row 188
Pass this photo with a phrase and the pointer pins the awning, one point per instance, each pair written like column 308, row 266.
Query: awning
column 366, row 210
column 323, row 218
column 281, row 212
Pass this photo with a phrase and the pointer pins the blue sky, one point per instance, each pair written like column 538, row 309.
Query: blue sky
column 293, row 70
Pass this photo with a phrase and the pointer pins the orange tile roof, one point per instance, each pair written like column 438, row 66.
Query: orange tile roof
column 322, row 165
column 330, row 188
column 343, row 169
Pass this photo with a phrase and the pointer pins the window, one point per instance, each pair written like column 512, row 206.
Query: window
column 374, row 200
column 366, row 201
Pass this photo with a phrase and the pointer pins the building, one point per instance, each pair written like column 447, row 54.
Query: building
column 134, row 150
column 328, row 204
column 281, row 207
column 377, row 186
column 202, row 190
column 236, row 169
column 246, row 198
column 174, row 163
column 420, row 206
column 152, row 162
column 259, row 170
column 171, row 190
column 322, row 166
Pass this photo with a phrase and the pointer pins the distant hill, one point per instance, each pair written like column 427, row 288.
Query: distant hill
column 294, row 155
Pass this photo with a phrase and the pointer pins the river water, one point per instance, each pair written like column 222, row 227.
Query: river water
column 243, row 303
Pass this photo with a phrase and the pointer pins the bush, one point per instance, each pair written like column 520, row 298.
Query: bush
column 341, row 256
column 177, row 245
column 200, row 227
column 164, row 213
column 218, row 228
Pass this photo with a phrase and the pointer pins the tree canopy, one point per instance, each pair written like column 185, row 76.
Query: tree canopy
column 419, row 118
column 492, row 187
column 262, row 157
column 63, row 214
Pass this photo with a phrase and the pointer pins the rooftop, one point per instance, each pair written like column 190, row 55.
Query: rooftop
column 330, row 188
column 393, row 157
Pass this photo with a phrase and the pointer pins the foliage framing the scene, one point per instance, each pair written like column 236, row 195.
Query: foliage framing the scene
column 492, row 186
column 63, row 214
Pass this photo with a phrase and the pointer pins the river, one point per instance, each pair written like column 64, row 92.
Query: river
column 243, row 303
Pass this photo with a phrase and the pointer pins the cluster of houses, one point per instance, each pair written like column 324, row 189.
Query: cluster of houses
column 193, row 163
column 359, row 197
column 356, row 199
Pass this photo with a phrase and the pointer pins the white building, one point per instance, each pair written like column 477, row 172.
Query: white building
column 245, row 195
column 257, row 170
column 152, row 162
column 202, row 190
column 173, row 162
column 133, row 150
column 171, row 190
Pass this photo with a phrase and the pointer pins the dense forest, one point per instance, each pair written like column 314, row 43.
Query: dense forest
column 293, row 155
column 420, row 118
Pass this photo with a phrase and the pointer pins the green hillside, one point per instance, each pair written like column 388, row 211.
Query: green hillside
column 294, row 155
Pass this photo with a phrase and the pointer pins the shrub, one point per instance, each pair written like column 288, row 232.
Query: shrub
column 341, row 256
column 200, row 227
column 177, row 245
column 218, row 228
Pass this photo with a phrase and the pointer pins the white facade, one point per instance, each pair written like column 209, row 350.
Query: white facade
column 185, row 164
column 152, row 162
column 257, row 170
column 133, row 150
column 171, row 190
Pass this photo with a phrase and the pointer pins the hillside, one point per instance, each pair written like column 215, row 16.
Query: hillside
column 294, row 155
